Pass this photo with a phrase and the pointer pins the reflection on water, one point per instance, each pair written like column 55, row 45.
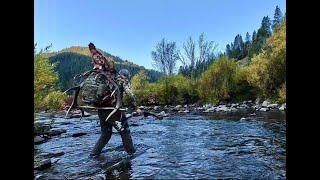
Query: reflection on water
column 190, row 146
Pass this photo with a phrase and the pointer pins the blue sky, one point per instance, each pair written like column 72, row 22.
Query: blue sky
column 131, row 29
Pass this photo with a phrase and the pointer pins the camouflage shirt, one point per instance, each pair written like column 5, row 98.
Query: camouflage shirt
column 124, row 86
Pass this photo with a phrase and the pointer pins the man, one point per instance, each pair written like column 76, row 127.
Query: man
column 118, row 120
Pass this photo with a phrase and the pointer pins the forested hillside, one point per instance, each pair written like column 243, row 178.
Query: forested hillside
column 75, row 60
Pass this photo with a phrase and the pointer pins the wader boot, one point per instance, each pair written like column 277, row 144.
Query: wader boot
column 119, row 122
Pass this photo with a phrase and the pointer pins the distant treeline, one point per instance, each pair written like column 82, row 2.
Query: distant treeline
column 197, row 56
column 246, row 71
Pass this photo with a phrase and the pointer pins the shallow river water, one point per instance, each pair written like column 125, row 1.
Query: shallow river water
column 189, row 146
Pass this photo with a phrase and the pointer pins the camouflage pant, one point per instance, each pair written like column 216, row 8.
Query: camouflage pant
column 119, row 122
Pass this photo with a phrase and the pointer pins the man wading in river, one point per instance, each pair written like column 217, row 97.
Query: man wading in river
column 118, row 120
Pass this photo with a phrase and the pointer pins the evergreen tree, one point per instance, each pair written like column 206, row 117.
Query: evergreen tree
column 228, row 50
column 254, row 35
column 265, row 29
column 247, row 44
column 248, row 38
column 277, row 18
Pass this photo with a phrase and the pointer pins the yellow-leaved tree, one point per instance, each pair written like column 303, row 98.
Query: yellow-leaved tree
column 46, row 96
column 267, row 70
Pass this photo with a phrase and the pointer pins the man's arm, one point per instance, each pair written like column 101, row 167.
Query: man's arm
column 127, row 90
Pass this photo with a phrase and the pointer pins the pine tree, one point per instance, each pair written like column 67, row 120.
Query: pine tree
column 228, row 50
column 265, row 29
column 277, row 18
column 248, row 38
column 247, row 44
column 254, row 35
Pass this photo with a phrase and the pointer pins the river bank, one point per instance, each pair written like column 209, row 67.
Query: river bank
column 193, row 108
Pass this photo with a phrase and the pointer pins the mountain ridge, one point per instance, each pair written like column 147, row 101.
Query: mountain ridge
column 74, row 60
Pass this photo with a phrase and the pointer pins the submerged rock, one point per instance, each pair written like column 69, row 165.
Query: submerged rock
column 77, row 134
column 41, row 127
column 43, row 164
column 38, row 140
column 56, row 131
column 97, row 177
column 51, row 154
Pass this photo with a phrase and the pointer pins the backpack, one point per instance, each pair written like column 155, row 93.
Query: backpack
column 94, row 89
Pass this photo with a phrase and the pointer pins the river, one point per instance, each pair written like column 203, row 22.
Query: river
column 188, row 146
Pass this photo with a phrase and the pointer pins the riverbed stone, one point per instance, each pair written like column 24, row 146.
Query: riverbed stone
column 257, row 102
column 282, row 107
column 156, row 108
column 233, row 109
column 78, row 134
column 43, row 164
column 56, row 131
column 265, row 103
column 222, row 108
column 54, row 160
column 97, row 177
column 51, row 154
column 38, row 140
column 40, row 128
column 178, row 106
column 200, row 108
column 264, row 109
column 212, row 109
column 162, row 113
column 275, row 105
column 244, row 106
column 235, row 105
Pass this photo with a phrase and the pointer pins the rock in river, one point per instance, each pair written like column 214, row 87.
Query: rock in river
column 272, row 105
column 77, row 134
column 162, row 113
column 38, row 140
column 56, row 131
column 43, row 164
column 264, row 109
column 51, row 154
column 265, row 103
column 283, row 107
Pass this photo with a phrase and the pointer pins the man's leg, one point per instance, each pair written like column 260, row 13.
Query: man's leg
column 122, row 126
column 106, row 132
